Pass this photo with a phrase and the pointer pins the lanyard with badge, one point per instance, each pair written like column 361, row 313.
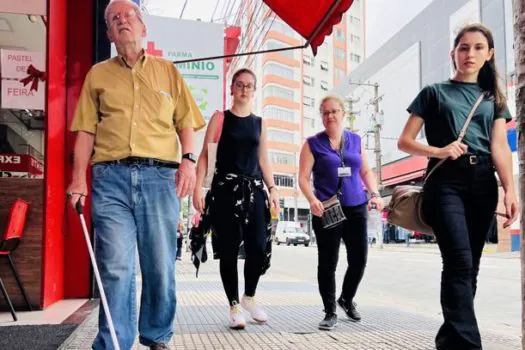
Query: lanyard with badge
column 343, row 170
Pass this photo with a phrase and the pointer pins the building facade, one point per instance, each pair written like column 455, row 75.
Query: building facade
column 416, row 56
column 291, row 83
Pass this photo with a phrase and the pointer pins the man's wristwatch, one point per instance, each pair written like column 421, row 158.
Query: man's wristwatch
column 190, row 156
column 375, row 195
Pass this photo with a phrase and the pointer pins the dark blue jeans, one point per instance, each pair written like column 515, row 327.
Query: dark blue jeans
column 136, row 206
column 459, row 203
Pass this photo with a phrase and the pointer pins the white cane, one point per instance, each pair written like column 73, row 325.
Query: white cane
column 78, row 207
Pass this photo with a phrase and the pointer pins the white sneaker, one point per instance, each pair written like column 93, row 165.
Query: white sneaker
column 237, row 320
column 257, row 313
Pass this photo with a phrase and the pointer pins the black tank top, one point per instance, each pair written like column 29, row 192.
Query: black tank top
column 238, row 149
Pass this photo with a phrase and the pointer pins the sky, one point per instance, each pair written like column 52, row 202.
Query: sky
column 387, row 17
column 384, row 17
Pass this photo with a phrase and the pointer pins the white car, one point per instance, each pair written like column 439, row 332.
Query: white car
column 291, row 232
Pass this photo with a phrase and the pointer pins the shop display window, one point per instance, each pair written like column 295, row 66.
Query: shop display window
column 23, row 93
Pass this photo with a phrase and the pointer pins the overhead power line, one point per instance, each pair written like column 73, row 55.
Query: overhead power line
column 183, row 8
column 214, row 10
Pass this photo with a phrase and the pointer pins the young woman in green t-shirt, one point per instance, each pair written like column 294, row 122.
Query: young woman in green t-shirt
column 460, row 197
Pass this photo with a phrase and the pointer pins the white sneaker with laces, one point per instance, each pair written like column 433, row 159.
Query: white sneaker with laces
column 237, row 320
column 257, row 313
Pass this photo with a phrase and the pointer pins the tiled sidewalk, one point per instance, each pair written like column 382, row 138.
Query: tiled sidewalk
column 294, row 310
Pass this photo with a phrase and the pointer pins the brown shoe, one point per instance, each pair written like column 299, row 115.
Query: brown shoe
column 159, row 346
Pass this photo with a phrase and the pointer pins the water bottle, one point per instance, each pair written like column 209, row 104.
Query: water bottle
column 375, row 225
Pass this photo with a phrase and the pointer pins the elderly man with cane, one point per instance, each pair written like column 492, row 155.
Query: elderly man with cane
column 133, row 111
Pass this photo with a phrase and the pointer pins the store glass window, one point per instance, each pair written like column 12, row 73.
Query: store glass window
column 23, row 90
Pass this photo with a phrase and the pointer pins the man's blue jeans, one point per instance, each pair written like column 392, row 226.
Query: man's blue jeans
column 136, row 206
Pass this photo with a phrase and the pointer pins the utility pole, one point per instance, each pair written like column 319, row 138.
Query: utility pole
column 376, row 127
column 352, row 114
column 377, row 134
column 376, row 130
column 377, row 151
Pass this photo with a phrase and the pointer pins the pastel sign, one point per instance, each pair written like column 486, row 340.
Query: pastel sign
column 23, row 79
column 14, row 63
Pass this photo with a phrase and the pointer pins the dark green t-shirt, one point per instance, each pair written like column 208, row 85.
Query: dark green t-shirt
column 445, row 107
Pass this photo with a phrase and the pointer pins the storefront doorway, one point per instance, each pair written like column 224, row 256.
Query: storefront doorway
column 46, row 49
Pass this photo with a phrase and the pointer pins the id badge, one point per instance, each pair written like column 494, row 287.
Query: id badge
column 344, row 171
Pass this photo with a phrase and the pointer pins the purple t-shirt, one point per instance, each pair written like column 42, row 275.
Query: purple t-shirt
column 326, row 162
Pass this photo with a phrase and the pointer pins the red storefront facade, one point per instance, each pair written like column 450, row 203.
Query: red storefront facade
column 66, row 271
column 52, row 259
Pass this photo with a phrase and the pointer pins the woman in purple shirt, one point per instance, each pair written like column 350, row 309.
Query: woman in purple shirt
column 320, row 155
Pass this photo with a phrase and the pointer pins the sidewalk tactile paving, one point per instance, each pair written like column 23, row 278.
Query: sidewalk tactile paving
column 294, row 309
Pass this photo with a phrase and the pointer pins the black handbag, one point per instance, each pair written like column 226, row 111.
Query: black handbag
column 333, row 214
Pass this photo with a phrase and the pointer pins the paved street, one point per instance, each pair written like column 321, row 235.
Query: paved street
column 398, row 298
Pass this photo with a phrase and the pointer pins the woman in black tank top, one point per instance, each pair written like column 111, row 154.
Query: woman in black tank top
column 239, row 145
column 237, row 208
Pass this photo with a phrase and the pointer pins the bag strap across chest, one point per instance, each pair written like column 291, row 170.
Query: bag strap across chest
column 461, row 133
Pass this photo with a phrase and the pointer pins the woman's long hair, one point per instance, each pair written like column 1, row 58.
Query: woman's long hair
column 488, row 75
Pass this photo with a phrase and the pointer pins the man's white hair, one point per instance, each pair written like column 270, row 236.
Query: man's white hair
column 129, row 2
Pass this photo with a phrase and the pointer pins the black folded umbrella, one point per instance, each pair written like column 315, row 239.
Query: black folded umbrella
column 199, row 235
column 198, row 248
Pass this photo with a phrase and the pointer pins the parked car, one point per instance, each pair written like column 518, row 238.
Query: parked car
column 423, row 237
column 291, row 232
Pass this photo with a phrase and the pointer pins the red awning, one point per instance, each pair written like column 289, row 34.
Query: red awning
column 405, row 169
column 403, row 178
column 313, row 19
